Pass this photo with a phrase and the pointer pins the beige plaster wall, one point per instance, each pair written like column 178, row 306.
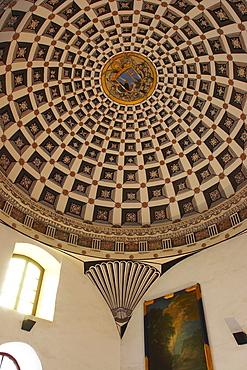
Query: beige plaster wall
column 222, row 273
column 83, row 334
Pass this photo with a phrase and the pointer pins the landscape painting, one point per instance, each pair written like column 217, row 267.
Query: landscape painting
column 175, row 332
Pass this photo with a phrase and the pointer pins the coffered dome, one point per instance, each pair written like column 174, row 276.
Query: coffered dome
column 123, row 120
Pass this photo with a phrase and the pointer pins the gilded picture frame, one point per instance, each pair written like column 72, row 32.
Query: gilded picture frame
column 175, row 332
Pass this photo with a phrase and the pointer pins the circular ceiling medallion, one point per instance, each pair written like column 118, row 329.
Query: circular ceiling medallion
column 129, row 78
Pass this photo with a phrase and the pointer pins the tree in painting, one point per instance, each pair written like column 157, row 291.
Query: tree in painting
column 160, row 331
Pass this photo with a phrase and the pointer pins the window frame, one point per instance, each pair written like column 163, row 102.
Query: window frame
column 4, row 354
column 25, row 355
column 51, row 262
column 40, row 279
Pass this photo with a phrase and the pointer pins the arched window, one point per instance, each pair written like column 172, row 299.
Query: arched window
column 31, row 281
column 8, row 362
column 18, row 356
column 22, row 284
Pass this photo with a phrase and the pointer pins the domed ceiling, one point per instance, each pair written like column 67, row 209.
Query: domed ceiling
column 123, row 119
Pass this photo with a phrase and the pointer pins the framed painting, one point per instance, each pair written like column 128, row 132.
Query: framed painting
column 175, row 332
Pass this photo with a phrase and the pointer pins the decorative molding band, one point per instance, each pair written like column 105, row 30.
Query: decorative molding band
column 9, row 192
column 20, row 208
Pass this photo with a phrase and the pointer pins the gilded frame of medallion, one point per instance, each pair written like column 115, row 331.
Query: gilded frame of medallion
column 117, row 66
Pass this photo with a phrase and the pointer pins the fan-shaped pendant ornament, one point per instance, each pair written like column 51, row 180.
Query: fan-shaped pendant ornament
column 122, row 284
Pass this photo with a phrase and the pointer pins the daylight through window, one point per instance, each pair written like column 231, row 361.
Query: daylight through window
column 22, row 285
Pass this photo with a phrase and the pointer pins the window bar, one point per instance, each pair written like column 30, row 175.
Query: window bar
column 119, row 246
column 235, row 219
column 166, row 243
column 7, row 208
column 50, row 231
column 96, row 244
column 28, row 221
column 212, row 229
column 190, row 238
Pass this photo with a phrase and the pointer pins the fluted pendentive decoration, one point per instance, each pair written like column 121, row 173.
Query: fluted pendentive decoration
column 122, row 284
